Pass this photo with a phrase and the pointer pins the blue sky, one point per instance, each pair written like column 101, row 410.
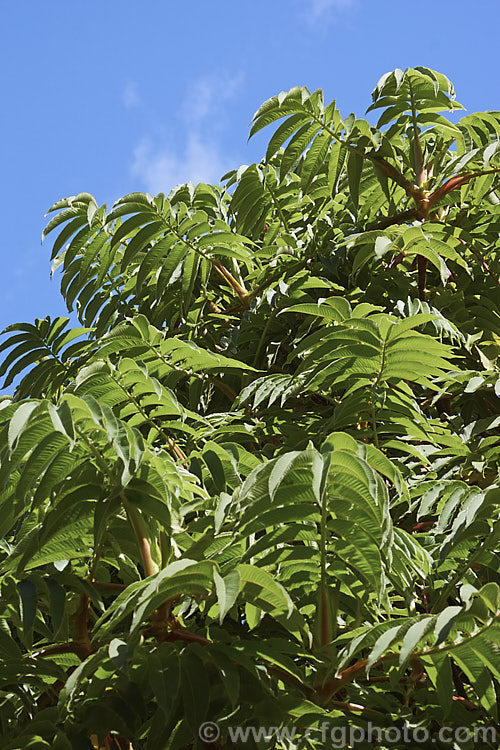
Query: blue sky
column 109, row 97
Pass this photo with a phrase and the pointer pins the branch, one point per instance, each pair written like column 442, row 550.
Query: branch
column 312, row 694
column 71, row 647
column 225, row 389
column 398, row 177
column 290, row 679
column 162, row 633
column 45, row 700
column 185, row 635
column 214, row 308
column 400, row 218
column 455, row 182
column 348, row 675
column 104, row 586
column 81, row 645
column 466, row 703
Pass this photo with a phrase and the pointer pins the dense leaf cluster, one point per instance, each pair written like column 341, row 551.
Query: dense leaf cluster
column 259, row 485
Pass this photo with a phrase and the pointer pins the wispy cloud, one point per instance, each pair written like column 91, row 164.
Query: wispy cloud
column 130, row 96
column 162, row 168
column 324, row 9
column 198, row 153
column 209, row 95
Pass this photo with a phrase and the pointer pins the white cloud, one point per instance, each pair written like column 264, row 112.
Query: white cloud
column 131, row 97
column 319, row 9
column 161, row 169
column 209, row 95
column 198, row 153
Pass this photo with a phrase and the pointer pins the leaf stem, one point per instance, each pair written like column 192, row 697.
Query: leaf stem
column 484, row 264
column 422, row 274
column 387, row 169
column 420, row 172
column 143, row 543
column 374, row 424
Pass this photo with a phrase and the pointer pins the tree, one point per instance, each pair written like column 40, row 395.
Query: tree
column 258, row 486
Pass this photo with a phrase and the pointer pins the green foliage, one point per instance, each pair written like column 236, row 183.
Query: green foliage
column 259, row 485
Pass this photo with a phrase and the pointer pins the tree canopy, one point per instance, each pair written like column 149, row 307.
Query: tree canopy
column 258, row 486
